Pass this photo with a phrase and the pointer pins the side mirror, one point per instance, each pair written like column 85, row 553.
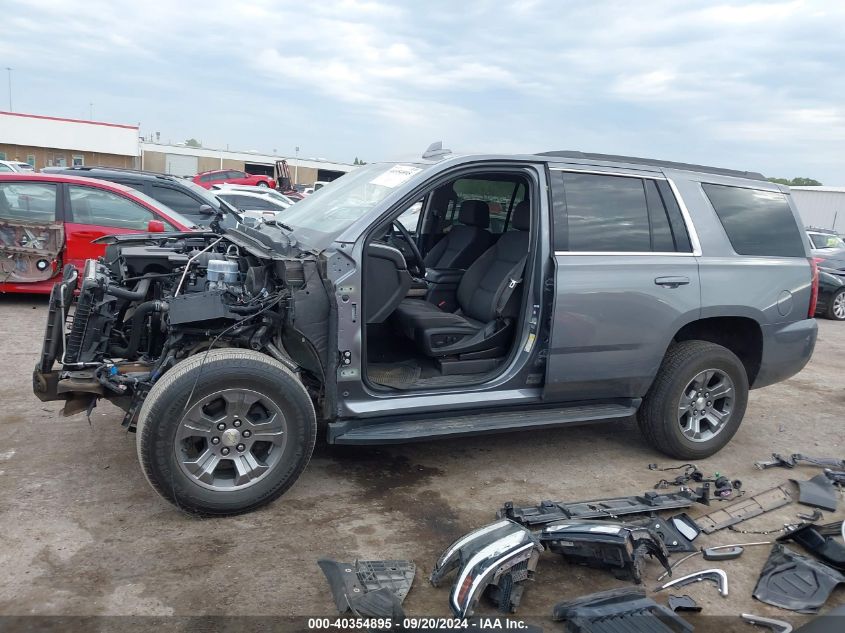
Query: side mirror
column 155, row 226
column 205, row 209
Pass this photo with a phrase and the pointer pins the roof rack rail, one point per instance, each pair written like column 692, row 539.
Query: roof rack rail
column 128, row 170
column 653, row 162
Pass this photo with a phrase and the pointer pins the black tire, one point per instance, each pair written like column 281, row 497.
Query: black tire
column 658, row 414
column 829, row 313
column 204, row 374
column 263, row 183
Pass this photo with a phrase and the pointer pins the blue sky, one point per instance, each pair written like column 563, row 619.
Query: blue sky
column 751, row 85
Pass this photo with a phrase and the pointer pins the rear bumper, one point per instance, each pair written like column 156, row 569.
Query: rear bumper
column 787, row 348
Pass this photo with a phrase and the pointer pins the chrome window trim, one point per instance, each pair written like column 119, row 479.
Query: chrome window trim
column 685, row 214
column 635, row 253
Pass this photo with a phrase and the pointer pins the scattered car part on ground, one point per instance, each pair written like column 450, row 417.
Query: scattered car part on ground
column 779, row 461
column 723, row 487
column 686, row 526
column 684, row 603
column 551, row 511
column 371, row 588
column 625, row 609
column 700, row 552
column 500, row 556
column 825, row 548
column 673, row 538
column 745, row 509
column 835, row 476
column 716, row 575
column 778, row 626
column 811, row 518
column 724, row 553
column 794, row 582
column 615, row 546
column 818, row 492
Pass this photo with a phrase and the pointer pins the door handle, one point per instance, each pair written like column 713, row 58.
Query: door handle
column 671, row 282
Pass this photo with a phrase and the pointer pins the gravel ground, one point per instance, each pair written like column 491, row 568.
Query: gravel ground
column 85, row 535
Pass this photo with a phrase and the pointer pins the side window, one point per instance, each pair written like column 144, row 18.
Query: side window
column 28, row 201
column 757, row 222
column 5, row 168
column 597, row 213
column 104, row 208
column 177, row 200
column 235, row 174
column 498, row 195
column 600, row 213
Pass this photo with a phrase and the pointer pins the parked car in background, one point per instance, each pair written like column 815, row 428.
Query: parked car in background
column 272, row 194
column 831, row 304
column 49, row 220
column 179, row 194
column 319, row 184
column 825, row 240
column 15, row 166
column 254, row 204
column 208, row 178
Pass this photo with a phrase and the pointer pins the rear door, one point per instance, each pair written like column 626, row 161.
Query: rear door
column 91, row 213
column 626, row 279
column 31, row 232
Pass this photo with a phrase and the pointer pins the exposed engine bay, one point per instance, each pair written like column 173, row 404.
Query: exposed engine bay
column 153, row 301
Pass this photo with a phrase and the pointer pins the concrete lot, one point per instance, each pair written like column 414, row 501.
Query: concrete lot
column 84, row 534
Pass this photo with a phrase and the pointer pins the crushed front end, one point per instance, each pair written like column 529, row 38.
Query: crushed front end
column 153, row 301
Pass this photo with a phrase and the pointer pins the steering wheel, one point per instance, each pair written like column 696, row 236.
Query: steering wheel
column 415, row 252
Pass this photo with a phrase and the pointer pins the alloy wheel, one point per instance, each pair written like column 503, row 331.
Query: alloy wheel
column 231, row 439
column 706, row 405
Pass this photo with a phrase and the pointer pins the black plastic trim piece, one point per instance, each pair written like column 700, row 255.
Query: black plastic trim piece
column 794, row 582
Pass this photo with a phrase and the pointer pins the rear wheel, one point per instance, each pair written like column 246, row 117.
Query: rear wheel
column 225, row 432
column 836, row 307
column 697, row 400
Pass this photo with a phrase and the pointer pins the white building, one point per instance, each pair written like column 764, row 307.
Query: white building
column 46, row 141
column 821, row 207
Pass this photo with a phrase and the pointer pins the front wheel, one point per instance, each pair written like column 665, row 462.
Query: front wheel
column 836, row 307
column 263, row 183
column 225, row 432
column 697, row 400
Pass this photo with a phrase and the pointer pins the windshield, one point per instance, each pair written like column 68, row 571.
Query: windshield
column 327, row 212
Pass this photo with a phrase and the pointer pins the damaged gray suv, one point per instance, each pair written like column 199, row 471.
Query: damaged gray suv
column 438, row 299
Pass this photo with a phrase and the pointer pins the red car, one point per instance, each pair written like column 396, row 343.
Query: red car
column 47, row 221
column 218, row 176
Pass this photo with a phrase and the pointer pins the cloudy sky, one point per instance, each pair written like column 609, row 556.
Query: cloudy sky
column 752, row 85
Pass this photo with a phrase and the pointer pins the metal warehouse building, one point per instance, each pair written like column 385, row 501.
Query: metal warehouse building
column 180, row 160
column 44, row 141
column 821, row 207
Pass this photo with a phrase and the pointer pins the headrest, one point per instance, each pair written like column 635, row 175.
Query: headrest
column 521, row 217
column 475, row 213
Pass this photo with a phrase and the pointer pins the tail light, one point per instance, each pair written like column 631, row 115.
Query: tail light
column 814, row 288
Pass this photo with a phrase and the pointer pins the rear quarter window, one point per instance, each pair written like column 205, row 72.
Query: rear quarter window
column 757, row 222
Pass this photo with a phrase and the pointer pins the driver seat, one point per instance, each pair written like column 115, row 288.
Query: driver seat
column 488, row 297
column 465, row 242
